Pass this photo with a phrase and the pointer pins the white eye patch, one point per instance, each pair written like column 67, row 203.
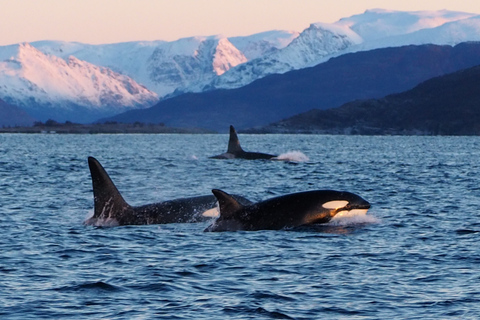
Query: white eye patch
column 335, row 204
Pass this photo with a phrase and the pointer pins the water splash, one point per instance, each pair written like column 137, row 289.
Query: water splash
column 96, row 222
column 89, row 214
column 352, row 218
column 294, row 156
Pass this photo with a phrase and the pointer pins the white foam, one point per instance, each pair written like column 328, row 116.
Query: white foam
column 89, row 214
column 109, row 222
column 352, row 217
column 212, row 213
column 294, row 156
column 91, row 221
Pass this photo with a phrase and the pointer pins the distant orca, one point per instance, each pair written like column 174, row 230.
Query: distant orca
column 110, row 209
column 288, row 211
column 235, row 150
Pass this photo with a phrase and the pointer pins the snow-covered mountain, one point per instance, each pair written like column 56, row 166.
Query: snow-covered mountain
column 82, row 82
column 309, row 48
column 48, row 86
column 373, row 29
column 450, row 33
column 379, row 23
column 188, row 64
column 264, row 43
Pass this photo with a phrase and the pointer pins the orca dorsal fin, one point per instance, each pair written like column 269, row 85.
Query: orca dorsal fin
column 108, row 202
column 228, row 205
column 233, row 142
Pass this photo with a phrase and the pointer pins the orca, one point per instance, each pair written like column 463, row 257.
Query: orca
column 285, row 212
column 110, row 209
column 235, row 151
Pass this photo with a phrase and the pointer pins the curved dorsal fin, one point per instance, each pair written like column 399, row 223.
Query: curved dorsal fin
column 108, row 201
column 233, row 142
column 228, row 205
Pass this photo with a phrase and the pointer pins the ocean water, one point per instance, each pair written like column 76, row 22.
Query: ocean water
column 416, row 255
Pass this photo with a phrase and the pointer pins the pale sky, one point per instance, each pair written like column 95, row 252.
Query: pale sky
column 111, row 21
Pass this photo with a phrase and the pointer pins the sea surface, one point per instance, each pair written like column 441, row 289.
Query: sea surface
column 416, row 255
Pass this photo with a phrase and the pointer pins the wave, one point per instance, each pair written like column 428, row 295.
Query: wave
column 87, row 286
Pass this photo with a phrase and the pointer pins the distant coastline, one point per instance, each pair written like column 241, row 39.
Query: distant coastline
column 51, row 126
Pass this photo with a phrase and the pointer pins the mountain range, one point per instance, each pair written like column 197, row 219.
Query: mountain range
column 360, row 75
column 80, row 82
column 184, row 65
column 445, row 105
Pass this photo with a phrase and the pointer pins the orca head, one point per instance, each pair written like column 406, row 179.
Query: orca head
column 345, row 204
column 328, row 204
column 230, row 209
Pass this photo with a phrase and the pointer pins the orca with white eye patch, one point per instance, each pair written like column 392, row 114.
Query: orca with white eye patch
column 287, row 211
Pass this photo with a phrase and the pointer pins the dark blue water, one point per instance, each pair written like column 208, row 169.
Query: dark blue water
column 418, row 257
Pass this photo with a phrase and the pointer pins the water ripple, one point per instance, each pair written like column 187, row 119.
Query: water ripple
column 417, row 260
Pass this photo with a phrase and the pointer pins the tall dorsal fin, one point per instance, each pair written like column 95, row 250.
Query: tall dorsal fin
column 228, row 205
column 108, row 201
column 233, row 142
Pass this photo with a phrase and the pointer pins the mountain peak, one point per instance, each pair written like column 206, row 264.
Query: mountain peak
column 25, row 45
column 226, row 56
column 25, row 49
column 337, row 30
